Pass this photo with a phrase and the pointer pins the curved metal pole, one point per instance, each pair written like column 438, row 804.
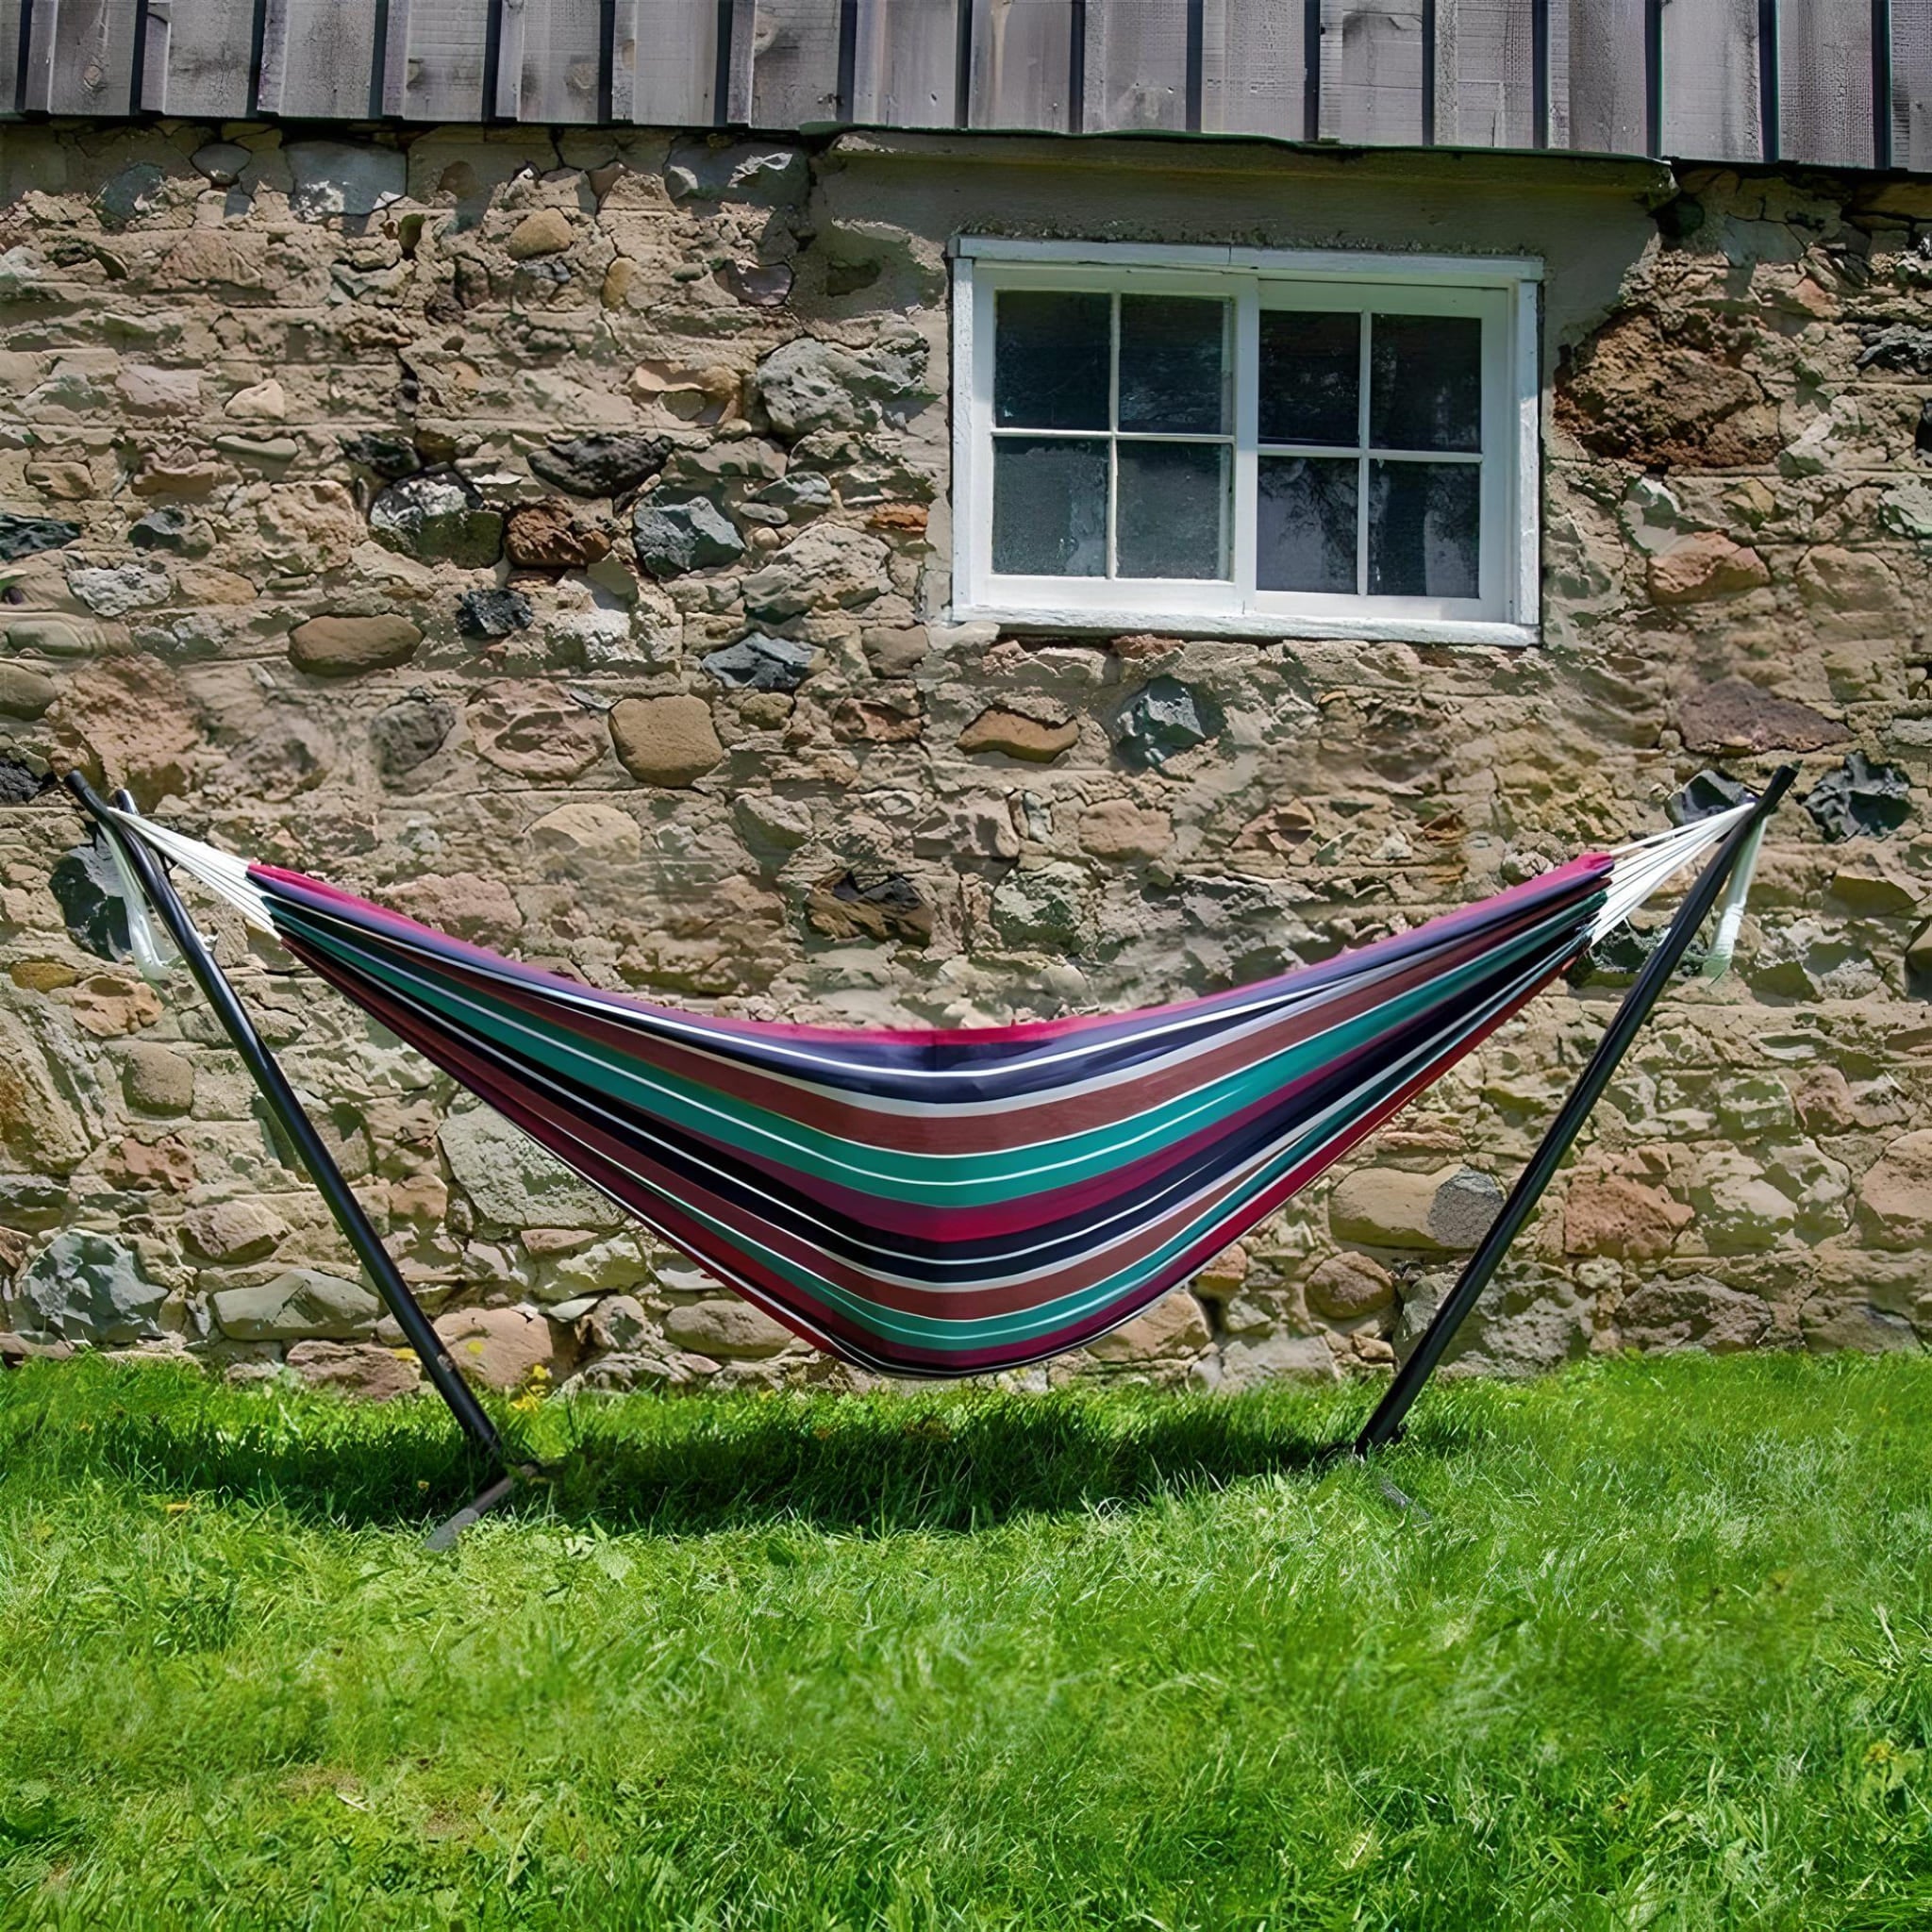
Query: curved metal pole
column 267, row 1076
column 1385, row 1425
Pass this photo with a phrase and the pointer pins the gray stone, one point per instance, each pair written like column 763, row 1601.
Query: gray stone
column 805, row 493
column 335, row 177
column 20, row 783
column 22, row 535
column 761, row 663
column 223, row 162
column 810, row 385
column 1042, row 906
column 1859, row 797
column 129, row 193
column 1900, row 350
column 48, row 636
column 736, row 459
column 233, row 1231
column 115, row 591
column 758, row 172
column 1664, row 1316
column 725, row 1327
column 87, row 1286
column 157, row 1078
column 298, row 1303
column 515, row 1183
column 24, row 692
column 494, row 613
column 410, row 731
column 169, row 528
column 392, row 457
column 601, row 466
column 87, row 890
column 260, row 452
column 438, row 516
column 1162, row 721
column 826, row 566
column 672, row 538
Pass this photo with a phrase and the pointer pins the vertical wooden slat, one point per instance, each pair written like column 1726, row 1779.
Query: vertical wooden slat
column 1254, row 76
column 81, row 57
column 1825, row 82
column 1372, row 68
column 1023, row 64
column 316, row 62
column 198, row 57
column 1597, row 81
column 550, row 60
column 1911, row 84
column 1710, row 80
column 9, row 56
column 1137, row 65
column 437, row 53
column 664, row 70
column 905, row 63
column 1485, row 73
column 794, row 63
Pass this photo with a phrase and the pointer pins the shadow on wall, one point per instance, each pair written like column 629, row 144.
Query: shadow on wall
column 873, row 1467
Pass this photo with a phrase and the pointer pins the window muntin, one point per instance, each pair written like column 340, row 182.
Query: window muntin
column 1255, row 451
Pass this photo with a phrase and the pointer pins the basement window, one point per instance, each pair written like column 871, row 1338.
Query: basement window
column 1245, row 443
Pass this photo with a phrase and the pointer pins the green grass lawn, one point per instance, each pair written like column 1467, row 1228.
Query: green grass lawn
column 1654, row 1649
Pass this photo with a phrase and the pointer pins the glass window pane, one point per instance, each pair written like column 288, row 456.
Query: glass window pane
column 1173, row 364
column 1310, row 376
column 1052, row 359
column 1425, row 521
column 1172, row 517
column 1049, row 507
column 1426, row 385
column 1307, row 523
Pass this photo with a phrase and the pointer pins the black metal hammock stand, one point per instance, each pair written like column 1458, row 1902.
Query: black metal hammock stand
column 935, row 1203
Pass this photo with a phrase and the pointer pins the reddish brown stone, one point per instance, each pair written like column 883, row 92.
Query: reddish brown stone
column 1607, row 1214
column 1705, row 564
column 544, row 536
column 1037, row 741
column 1736, row 716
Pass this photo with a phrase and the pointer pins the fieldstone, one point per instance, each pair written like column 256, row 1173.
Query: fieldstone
column 1610, row 1214
column 536, row 731
column 887, row 907
column 467, row 905
column 504, row 1347
column 584, row 832
column 39, row 1123
column 756, row 284
column 47, row 637
column 24, row 692
column 544, row 536
column 1160, row 722
column 1447, row 1210
column 392, row 457
column 335, row 177
column 494, row 613
column 810, row 385
column 667, row 741
column 513, row 1182
column 1739, row 1209
column 1705, row 564
column 116, row 591
column 1175, row 1325
column 757, row 171
column 672, row 538
column 761, row 663
column 362, row 1370
column 233, row 1231
column 410, row 731
column 438, row 516
column 1043, row 905
column 895, row 717
column 726, row 1327
column 88, row 1286
column 1344, row 1288
column 735, row 459
column 1735, row 715
column 260, row 402
column 1663, row 1316
column 20, row 783
column 300, row 1302
column 781, row 824
column 191, row 480
column 1899, row 350
column 169, row 528
column 894, row 652
column 1020, row 735
column 129, row 193
column 1117, row 829
column 1896, row 1193
column 223, row 162
column 545, row 231
column 980, row 824
column 23, row 536
column 157, row 1078
column 147, row 391
column 167, row 1163
column 617, row 1323
column 87, row 888
column 607, row 465
column 1859, row 797
column 825, row 566
column 270, row 454
column 347, row 646
column 1275, row 1359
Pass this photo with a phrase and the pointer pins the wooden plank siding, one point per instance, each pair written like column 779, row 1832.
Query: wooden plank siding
column 1837, row 82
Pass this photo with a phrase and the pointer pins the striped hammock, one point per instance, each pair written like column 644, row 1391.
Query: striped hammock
column 925, row 1202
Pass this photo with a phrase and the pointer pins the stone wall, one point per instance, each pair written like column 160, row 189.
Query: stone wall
column 549, row 537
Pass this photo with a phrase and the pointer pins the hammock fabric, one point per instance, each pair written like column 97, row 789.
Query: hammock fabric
column 935, row 1203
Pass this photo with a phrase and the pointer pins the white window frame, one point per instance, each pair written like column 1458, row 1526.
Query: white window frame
column 1503, row 291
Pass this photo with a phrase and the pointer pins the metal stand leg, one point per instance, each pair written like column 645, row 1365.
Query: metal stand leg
column 354, row 1224
column 1385, row 1425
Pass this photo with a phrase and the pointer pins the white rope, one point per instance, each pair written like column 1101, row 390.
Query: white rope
column 1637, row 871
column 222, row 872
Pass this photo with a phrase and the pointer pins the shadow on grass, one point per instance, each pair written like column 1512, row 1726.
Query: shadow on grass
column 868, row 1465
